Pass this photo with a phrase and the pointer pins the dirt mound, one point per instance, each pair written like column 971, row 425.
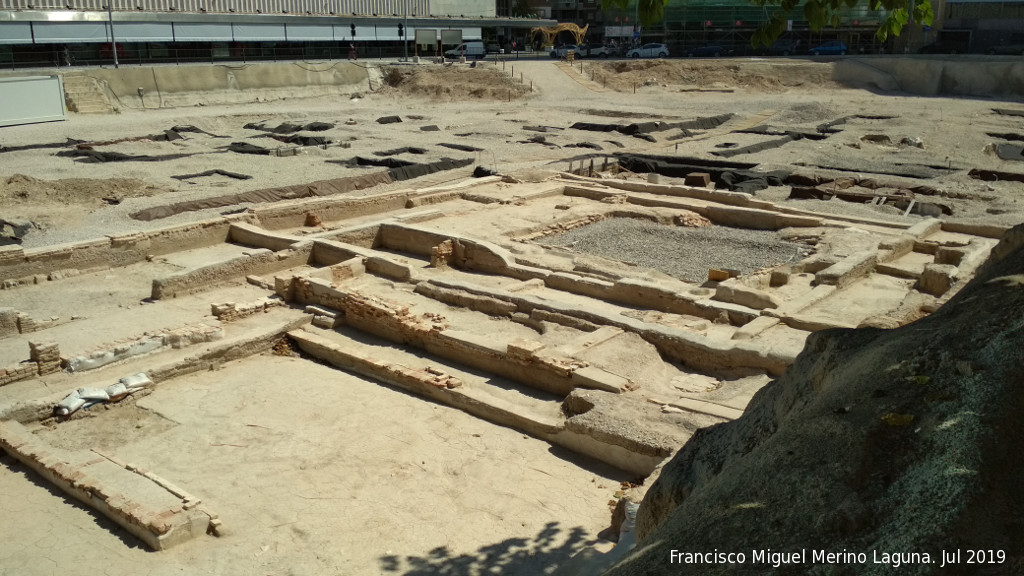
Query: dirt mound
column 453, row 82
column 875, row 442
column 26, row 189
column 750, row 76
column 803, row 113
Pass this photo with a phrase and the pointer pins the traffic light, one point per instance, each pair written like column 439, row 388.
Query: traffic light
column 353, row 30
column 401, row 30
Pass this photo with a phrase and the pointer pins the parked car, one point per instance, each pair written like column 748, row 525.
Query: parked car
column 713, row 50
column 593, row 51
column 649, row 51
column 469, row 50
column 784, row 47
column 561, row 51
column 830, row 48
column 944, row 47
column 1015, row 47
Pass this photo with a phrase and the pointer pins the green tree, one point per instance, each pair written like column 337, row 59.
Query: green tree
column 521, row 9
column 818, row 13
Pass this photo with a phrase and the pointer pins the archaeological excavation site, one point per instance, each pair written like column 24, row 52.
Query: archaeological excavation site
column 360, row 325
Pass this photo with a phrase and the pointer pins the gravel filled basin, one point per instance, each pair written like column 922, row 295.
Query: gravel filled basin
column 685, row 253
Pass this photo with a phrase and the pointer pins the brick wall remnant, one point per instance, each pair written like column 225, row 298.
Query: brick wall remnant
column 441, row 254
column 46, row 355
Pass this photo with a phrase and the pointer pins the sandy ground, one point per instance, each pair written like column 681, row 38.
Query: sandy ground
column 294, row 456
column 797, row 95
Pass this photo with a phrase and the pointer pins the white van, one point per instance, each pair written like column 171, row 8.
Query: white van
column 472, row 50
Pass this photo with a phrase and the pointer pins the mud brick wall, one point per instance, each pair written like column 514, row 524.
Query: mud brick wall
column 249, row 235
column 115, row 351
column 159, row 527
column 199, row 279
column 293, row 215
column 8, row 322
column 230, row 311
column 46, row 355
column 588, row 437
column 675, row 344
column 23, row 266
column 394, row 322
column 20, row 371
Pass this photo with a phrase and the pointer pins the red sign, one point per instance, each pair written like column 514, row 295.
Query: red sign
column 707, row 23
column 856, row 22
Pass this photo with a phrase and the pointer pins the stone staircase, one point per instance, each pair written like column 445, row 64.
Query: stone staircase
column 83, row 94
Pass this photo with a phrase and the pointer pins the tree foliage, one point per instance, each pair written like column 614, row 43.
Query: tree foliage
column 818, row 14
column 649, row 12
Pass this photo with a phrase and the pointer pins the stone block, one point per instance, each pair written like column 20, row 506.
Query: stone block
column 731, row 291
column 937, row 279
column 26, row 324
column 44, row 351
column 925, row 227
column 524, row 349
column 780, row 276
column 893, row 248
column 698, row 179
column 949, row 255
column 716, row 275
column 848, row 269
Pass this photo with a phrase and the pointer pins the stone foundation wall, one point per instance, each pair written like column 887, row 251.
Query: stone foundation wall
column 177, row 520
column 18, row 266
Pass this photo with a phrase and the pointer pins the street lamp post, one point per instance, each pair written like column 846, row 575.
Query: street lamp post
column 110, row 22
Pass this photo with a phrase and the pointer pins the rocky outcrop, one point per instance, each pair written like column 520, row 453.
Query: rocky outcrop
column 875, row 442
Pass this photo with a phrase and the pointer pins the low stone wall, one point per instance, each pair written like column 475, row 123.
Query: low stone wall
column 292, row 214
column 487, row 257
column 44, row 358
column 159, row 522
column 142, row 345
column 259, row 262
column 624, row 453
column 249, row 235
column 231, row 311
column 522, row 361
column 18, row 266
column 754, row 218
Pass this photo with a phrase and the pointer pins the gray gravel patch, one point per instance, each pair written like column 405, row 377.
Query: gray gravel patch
column 685, row 253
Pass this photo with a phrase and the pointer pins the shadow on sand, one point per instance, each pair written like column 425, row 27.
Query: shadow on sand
column 551, row 547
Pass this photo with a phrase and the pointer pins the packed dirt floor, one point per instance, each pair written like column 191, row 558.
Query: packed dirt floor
column 275, row 417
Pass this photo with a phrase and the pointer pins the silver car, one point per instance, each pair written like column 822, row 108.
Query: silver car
column 649, row 51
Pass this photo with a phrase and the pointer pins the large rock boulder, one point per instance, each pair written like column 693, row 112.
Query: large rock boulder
column 874, row 442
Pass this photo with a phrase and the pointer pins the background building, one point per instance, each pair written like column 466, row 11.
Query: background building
column 59, row 32
column 979, row 23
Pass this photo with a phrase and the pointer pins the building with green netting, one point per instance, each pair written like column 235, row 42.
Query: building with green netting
column 731, row 24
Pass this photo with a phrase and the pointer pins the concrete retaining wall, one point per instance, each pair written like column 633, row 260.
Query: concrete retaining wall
column 923, row 76
column 190, row 84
